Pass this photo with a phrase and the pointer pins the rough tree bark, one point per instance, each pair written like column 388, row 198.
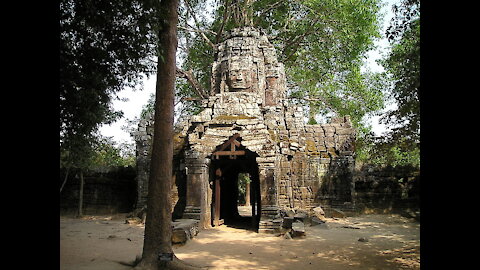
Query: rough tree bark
column 158, row 226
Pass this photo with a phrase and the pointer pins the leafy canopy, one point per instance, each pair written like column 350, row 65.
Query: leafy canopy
column 105, row 46
column 400, row 146
column 403, row 66
column 321, row 43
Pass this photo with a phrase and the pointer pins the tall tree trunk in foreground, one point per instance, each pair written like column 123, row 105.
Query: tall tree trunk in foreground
column 158, row 226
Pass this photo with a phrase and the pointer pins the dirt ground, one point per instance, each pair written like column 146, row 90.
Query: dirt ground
column 386, row 242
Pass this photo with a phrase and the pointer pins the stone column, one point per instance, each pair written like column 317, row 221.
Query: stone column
column 198, row 192
column 247, row 194
column 143, row 142
column 269, row 202
column 267, row 186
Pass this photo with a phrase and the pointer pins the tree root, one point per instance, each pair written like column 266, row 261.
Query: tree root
column 175, row 264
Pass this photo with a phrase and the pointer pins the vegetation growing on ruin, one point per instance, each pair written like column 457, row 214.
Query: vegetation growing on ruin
column 233, row 117
column 322, row 43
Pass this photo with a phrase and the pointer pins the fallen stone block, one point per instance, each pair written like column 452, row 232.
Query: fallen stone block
column 289, row 212
column 298, row 229
column 351, row 227
column 133, row 220
column 287, row 236
column 184, row 230
column 363, row 239
column 302, row 216
column 316, row 221
column 334, row 213
column 321, row 225
column 180, row 236
column 319, row 213
column 287, row 222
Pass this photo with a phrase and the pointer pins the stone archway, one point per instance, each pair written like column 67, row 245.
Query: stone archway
column 229, row 160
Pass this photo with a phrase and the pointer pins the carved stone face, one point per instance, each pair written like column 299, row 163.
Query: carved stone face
column 238, row 78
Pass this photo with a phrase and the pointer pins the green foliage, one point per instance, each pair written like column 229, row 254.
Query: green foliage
column 321, row 43
column 149, row 107
column 77, row 152
column 105, row 46
column 107, row 155
column 402, row 64
column 405, row 14
column 323, row 51
column 99, row 153
column 243, row 180
column 400, row 146
column 381, row 152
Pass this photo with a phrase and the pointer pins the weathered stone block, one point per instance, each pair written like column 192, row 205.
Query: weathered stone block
column 345, row 131
column 298, row 229
column 248, row 97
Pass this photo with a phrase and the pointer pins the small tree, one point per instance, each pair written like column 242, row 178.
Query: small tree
column 77, row 155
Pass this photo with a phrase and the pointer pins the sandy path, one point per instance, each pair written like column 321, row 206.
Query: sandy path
column 393, row 243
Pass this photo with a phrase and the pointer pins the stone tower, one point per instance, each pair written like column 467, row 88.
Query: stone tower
column 247, row 126
column 247, row 62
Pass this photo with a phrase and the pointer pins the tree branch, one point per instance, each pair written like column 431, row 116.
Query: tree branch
column 224, row 20
column 195, row 30
column 299, row 39
column 202, row 33
column 318, row 99
column 192, row 80
column 267, row 9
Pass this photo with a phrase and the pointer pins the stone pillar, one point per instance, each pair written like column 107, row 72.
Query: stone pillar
column 267, row 186
column 198, row 192
column 143, row 138
column 269, row 203
column 247, row 194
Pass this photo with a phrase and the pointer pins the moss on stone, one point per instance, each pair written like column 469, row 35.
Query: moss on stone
column 233, row 117
column 178, row 142
column 273, row 136
column 311, row 147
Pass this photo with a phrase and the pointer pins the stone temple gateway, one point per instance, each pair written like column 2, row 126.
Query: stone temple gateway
column 248, row 126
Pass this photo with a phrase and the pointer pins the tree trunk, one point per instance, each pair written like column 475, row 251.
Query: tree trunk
column 158, row 224
column 80, row 195
column 65, row 181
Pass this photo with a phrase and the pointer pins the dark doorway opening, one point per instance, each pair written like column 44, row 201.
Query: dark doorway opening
column 231, row 164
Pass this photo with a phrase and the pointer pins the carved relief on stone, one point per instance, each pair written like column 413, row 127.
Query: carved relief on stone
column 240, row 77
column 247, row 62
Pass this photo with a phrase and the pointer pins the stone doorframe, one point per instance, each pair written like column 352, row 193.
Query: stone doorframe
column 200, row 192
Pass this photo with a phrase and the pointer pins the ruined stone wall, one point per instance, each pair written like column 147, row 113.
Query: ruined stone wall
column 300, row 166
column 316, row 165
column 387, row 189
column 109, row 192
column 224, row 115
column 143, row 138
column 312, row 164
